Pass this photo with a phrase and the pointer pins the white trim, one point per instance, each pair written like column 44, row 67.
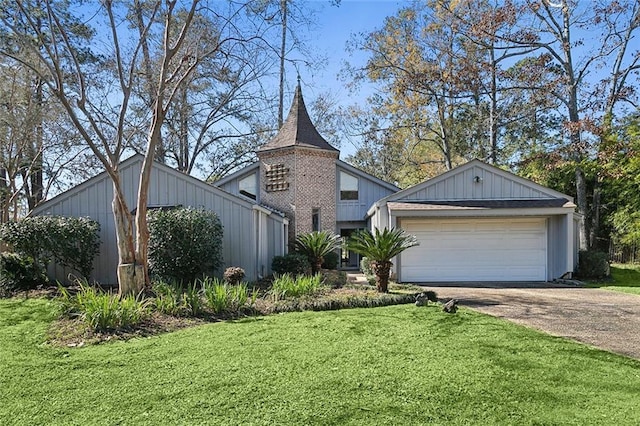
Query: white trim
column 551, row 211
column 262, row 209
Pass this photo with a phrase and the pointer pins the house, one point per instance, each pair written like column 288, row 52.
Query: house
column 252, row 234
column 474, row 223
column 300, row 174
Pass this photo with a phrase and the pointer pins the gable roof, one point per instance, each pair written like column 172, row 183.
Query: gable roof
column 356, row 171
column 480, row 204
column 460, row 184
column 138, row 158
column 297, row 130
column 238, row 173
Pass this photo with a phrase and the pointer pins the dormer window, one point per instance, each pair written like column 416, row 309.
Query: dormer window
column 248, row 186
column 348, row 186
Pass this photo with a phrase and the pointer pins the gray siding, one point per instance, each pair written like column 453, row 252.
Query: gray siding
column 461, row 186
column 561, row 247
column 168, row 187
column 275, row 245
column 369, row 191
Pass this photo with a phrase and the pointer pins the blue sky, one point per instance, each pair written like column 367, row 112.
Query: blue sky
column 336, row 25
column 334, row 28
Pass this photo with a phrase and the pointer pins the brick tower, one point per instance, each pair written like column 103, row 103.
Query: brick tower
column 298, row 173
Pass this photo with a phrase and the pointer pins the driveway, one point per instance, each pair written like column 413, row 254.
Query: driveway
column 605, row 319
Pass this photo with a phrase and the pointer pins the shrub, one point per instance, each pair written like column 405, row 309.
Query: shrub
column 18, row 272
column 224, row 298
column 593, row 264
column 234, row 275
column 342, row 302
column 316, row 245
column 365, row 267
column 285, row 286
column 216, row 295
column 103, row 311
column 184, row 244
column 68, row 241
column 334, row 279
column 192, row 299
column 331, row 260
column 168, row 299
column 292, row 263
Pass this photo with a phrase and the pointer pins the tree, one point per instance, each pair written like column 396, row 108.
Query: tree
column 447, row 96
column 552, row 29
column 619, row 166
column 316, row 245
column 380, row 247
column 210, row 122
column 37, row 142
column 96, row 89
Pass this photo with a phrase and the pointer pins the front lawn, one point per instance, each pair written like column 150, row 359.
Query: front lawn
column 624, row 278
column 390, row 365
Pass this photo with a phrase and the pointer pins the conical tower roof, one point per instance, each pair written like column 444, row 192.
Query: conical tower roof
column 297, row 129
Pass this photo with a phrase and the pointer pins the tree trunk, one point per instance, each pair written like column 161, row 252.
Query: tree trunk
column 34, row 172
column 581, row 198
column 5, row 197
column 493, row 110
column 131, row 278
column 594, row 229
column 128, row 265
column 382, row 271
column 317, row 265
column 283, row 47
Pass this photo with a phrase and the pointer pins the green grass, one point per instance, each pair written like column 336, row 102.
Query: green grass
column 625, row 278
column 391, row 365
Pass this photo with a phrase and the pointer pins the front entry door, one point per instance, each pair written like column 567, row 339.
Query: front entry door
column 348, row 259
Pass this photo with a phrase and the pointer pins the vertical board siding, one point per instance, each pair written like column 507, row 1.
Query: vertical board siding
column 461, row 186
column 168, row 187
column 369, row 192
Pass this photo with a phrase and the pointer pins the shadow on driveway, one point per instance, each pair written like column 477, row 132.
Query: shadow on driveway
column 496, row 285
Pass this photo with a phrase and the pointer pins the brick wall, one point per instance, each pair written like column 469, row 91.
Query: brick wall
column 312, row 184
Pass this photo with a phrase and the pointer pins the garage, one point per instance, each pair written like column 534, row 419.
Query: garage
column 481, row 223
column 476, row 250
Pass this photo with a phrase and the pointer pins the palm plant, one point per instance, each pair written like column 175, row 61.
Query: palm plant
column 380, row 247
column 316, row 245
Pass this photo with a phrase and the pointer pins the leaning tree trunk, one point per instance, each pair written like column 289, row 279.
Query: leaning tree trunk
column 382, row 271
column 130, row 270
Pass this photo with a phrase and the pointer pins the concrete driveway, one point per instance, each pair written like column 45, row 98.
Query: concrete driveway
column 605, row 319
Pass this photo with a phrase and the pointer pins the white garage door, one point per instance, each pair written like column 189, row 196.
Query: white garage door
column 475, row 250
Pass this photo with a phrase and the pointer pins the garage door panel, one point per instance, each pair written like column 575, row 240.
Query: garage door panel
column 475, row 250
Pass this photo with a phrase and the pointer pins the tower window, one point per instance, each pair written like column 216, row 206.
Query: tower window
column 348, row 186
column 315, row 220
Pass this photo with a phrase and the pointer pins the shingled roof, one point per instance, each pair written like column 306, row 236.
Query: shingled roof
column 297, row 130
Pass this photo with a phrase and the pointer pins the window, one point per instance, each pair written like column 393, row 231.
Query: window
column 315, row 220
column 247, row 186
column 348, row 186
